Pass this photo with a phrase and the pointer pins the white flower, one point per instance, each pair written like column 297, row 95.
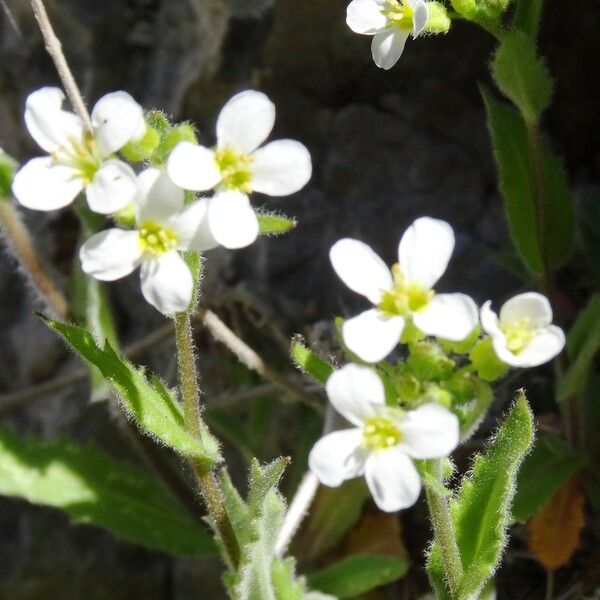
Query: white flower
column 403, row 293
column 79, row 159
column 237, row 164
column 383, row 441
column 164, row 227
column 523, row 335
column 390, row 22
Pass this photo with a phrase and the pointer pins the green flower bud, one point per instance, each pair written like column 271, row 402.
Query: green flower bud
column 488, row 366
column 184, row 132
column 434, row 393
column 464, row 346
column 465, row 8
column 125, row 217
column 428, row 362
column 142, row 149
column 410, row 333
column 438, row 20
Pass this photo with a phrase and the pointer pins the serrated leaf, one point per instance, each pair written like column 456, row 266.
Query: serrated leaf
column 307, row 361
column 95, row 489
column 527, row 17
column 555, row 531
column 509, row 137
column 546, row 469
column 522, row 76
column 481, row 509
column 270, row 223
column 149, row 403
column 358, row 574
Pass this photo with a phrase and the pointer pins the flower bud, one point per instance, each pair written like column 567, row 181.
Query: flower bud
column 488, row 366
column 438, row 20
column 428, row 362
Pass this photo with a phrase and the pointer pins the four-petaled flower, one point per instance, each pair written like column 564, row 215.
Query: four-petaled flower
column 403, row 293
column 237, row 164
column 79, row 159
column 390, row 22
column 164, row 228
column 383, row 440
column 523, row 335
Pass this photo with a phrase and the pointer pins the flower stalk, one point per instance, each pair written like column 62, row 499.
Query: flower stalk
column 188, row 379
column 443, row 531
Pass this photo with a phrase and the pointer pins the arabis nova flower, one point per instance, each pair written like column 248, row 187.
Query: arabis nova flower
column 164, row 227
column 523, row 335
column 403, row 293
column 383, row 440
column 391, row 22
column 79, row 159
column 238, row 164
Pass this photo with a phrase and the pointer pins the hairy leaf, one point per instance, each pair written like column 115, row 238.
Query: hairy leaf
column 148, row 402
column 270, row 223
column 309, row 362
column 554, row 532
column 95, row 489
column 511, row 149
column 528, row 16
column 522, row 76
column 358, row 574
column 8, row 166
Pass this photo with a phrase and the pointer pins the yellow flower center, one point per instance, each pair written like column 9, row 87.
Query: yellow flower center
column 380, row 433
column 399, row 14
column 404, row 298
column 157, row 240
column 518, row 334
column 235, row 169
column 81, row 155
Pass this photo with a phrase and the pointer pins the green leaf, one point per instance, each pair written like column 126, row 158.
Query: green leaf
column 481, row 509
column 95, row 489
column 8, row 166
column 148, row 402
column 511, row 149
column 550, row 464
column 522, row 76
column 528, row 16
column 308, row 362
column 358, row 574
column 274, row 224
column 583, row 345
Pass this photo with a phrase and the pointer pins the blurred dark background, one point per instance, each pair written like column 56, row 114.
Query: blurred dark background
column 386, row 146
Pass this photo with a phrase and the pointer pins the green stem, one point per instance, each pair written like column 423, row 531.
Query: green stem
column 444, row 533
column 188, row 380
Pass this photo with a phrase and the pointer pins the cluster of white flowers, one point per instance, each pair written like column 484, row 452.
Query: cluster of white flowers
column 386, row 438
column 165, row 226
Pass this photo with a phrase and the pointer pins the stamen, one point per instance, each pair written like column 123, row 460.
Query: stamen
column 157, row 240
column 399, row 14
column 380, row 433
column 235, row 169
column 518, row 334
column 405, row 297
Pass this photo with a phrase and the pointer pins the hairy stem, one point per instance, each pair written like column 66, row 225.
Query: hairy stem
column 188, row 381
column 20, row 242
column 54, row 49
column 445, row 536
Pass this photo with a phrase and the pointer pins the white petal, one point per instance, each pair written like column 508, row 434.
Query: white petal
column 355, row 392
column 158, row 198
column 548, row 343
column 193, row 228
column 245, row 121
column 425, row 250
column 372, row 335
column 41, row 185
column 281, row 168
column 530, row 305
column 420, row 16
column 338, row 456
column 231, row 219
column 167, row 283
column 392, row 480
column 193, row 167
column 117, row 119
column 430, row 431
column 387, row 47
column 448, row 316
column 48, row 124
column 365, row 16
column 360, row 268
column 111, row 254
column 489, row 320
column 113, row 187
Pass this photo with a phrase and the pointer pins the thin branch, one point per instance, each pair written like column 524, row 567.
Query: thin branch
column 252, row 360
column 54, row 49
